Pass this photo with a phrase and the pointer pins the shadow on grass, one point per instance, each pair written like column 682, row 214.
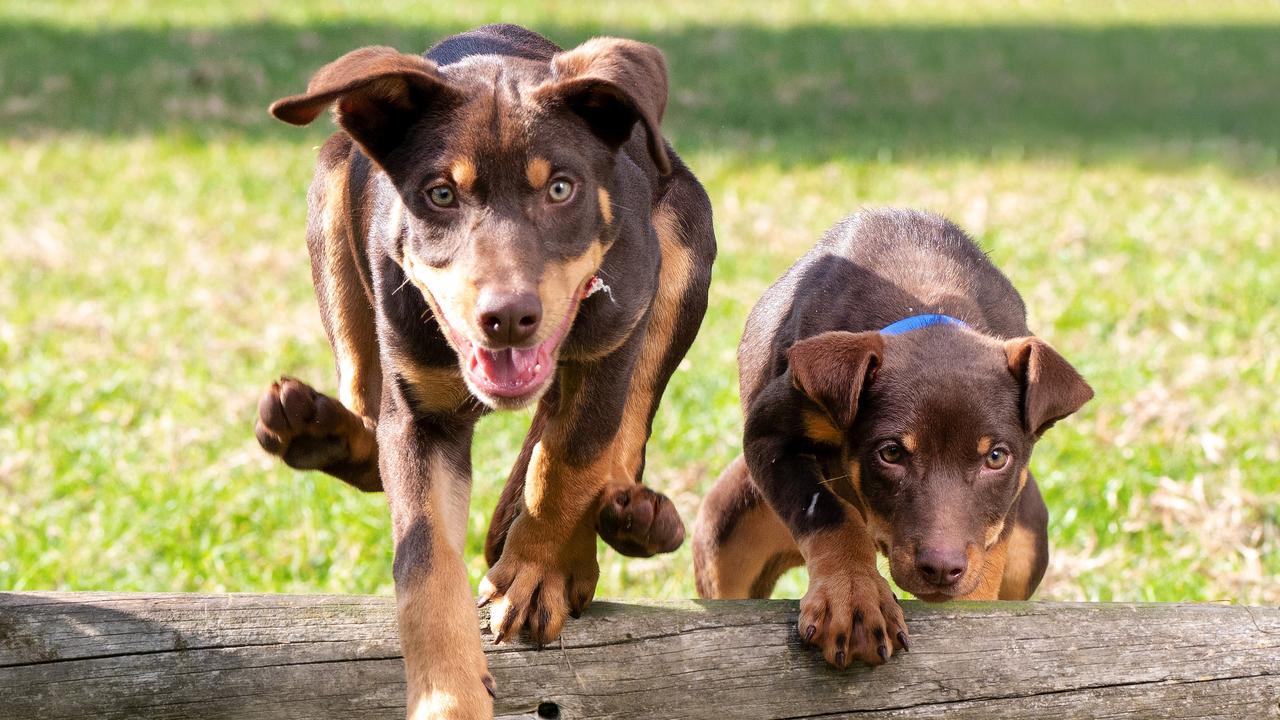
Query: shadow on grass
column 802, row 94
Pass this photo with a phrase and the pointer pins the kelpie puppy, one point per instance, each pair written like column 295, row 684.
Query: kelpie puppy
column 496, row 223
column 893, row 394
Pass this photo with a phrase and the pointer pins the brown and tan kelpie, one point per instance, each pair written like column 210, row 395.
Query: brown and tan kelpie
column 497, row 223
column 893, row 394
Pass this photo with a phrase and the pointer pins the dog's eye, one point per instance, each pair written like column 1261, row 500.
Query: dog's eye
column 442, row 196
column 559, row 190
column 891, row 453
column 997, row 459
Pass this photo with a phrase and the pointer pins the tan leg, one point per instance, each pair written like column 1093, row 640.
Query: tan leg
column 428, row 477
column 740, row 545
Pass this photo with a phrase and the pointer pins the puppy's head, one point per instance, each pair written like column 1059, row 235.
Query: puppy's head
column 937, row 427
column 504, row 170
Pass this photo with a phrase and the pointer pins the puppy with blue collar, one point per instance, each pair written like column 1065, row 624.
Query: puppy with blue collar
column 893, row 394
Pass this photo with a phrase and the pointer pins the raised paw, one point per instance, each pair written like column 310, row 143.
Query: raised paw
column 311, row 431
column 637, row 521
column 852, row 616
column 536, row 590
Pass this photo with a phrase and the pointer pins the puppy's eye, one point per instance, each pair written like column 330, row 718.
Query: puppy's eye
column 892, row 453
column 442, row 196
column 997, row 459
column 559, row 190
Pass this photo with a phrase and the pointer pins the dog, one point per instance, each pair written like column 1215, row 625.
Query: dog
column 893, row 394
column 497, row 223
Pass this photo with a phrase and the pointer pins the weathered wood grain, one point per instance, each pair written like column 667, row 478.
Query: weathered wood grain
column 277, row 657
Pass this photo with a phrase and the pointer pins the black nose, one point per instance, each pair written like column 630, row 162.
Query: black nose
column 509, row 318
column 942, row 566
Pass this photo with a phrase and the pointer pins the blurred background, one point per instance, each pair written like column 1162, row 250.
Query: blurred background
column 1120, row 162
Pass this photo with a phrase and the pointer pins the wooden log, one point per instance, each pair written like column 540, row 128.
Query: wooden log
column 280, row 657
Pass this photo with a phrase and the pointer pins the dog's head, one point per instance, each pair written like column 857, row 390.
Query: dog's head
column 504, row 168
column 937, row 427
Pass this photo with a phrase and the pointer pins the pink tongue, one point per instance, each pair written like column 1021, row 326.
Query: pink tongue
column 512, row 367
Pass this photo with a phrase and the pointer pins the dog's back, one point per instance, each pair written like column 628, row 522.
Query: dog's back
column 872, row 269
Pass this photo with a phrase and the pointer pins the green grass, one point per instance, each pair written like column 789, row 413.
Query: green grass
column 1121, row 164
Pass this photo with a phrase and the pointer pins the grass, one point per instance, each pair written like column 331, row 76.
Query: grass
column 1121, row 163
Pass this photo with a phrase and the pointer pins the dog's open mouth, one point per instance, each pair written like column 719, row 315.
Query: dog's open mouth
column 512, row 372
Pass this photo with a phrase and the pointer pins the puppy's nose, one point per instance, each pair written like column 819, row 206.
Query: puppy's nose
column 508, row 318
column 942, row 566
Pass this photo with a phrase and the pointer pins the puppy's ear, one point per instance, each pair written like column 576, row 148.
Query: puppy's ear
column 832, row 368
column 1051, row 388
column 612, row 84
column 380, row 93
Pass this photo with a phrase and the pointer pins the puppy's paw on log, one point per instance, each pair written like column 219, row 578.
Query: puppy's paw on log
column 852, row 615
column 312, row 431
column 637, row 521
column 535, row 585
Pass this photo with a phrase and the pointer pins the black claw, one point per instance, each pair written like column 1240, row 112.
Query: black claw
column 808, row 634
column 883, row 652
column 840, row 658
column 902, row 640
column 490, row 686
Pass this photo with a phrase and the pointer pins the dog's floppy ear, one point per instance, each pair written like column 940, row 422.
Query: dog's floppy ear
column 1051, row 388
column 380, row 92
column 613, row 83
column 832, row 368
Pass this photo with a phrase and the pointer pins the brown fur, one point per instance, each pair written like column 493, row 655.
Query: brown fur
column 416, row 288
column 828, row 398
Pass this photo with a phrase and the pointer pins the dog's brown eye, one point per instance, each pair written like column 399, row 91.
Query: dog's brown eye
column 997, row 459
column 442, row 196
column 891, row 453
column 560, row 190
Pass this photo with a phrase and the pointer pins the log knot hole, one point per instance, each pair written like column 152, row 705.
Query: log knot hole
column 548, row 710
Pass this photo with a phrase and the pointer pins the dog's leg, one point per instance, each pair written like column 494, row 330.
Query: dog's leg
column 308, row 430
column 848, row 611
column 547, row 566
column 633, row 519
column 427, row 469
column 740, row 545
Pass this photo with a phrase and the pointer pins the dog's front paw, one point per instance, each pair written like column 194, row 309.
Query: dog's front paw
column 455, row 692
column 637, row 521
column 852, row 615
column 308, row 430
column 535, row 584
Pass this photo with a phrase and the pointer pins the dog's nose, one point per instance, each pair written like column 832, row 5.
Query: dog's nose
column 509, row 318
column 942, row 566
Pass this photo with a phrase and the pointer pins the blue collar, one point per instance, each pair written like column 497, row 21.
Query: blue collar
column 915, row 322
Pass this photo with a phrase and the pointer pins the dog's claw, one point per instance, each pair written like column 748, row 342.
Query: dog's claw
column 840, row 659
column 883, row 652
column 902, row 640
column 490, row 685
column 808, row 634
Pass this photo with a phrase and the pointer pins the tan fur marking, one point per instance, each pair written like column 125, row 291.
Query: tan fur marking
column 463, row 172
column 993, row 533
column 335, row 224
column 445, row 289
column 909, row 442
column 993, row 561
column 758, row 536
column 674, row 279
column 433, row 389
column 537, row 172
column 606, row 206
column 1022, row 479
column 819, row 429
column 984, row 445
column 1020, row 559
column 560, row 285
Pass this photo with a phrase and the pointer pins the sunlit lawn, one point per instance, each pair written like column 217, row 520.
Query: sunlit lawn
column 1120, row 165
